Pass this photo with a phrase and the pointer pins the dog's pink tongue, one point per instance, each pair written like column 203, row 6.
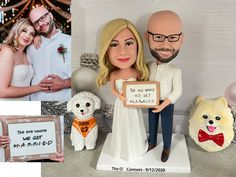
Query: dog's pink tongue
column 211, row 128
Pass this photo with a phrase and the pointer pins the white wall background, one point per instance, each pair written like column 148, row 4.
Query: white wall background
column 207, row 58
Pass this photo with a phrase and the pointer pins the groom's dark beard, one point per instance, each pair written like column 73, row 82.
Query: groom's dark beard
column 164, row 60
column 51, row 25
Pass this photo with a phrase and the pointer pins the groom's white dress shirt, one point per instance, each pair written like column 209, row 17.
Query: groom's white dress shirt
column 46, row 60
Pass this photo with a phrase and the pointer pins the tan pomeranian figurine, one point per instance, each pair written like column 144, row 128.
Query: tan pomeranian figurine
column 211, row 124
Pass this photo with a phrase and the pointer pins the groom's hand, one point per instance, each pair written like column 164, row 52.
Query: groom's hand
column 55, row 83
column 160, row 107
column 58, row 157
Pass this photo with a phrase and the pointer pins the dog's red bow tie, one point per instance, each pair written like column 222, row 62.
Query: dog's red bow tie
column 218, row 138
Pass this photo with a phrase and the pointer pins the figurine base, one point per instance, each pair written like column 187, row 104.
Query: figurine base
column 178, row 161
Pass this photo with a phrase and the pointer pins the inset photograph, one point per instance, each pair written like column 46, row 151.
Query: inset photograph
column 31, row 139
column 35, row 50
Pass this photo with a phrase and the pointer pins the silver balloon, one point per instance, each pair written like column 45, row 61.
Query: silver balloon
column 84, row 79
column 230, row 95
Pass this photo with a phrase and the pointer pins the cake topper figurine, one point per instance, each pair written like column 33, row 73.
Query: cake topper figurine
column 121, row 59
column 165, row 37
column 84, row 130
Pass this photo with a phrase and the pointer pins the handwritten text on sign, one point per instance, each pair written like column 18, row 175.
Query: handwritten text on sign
column 32, row 138
column 141, row 94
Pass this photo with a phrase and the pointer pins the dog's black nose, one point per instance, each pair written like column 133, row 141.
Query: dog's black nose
column 81, row 110
column 211, row 122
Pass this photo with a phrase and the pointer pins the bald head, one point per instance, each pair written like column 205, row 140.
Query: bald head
column 36, row 13
column 43, row 22
column 164, row 22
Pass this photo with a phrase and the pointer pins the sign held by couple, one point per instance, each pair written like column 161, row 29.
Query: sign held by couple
column 141, row 94
column 32, row 138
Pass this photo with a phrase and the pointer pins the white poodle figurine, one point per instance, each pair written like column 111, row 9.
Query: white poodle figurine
column 84, row 129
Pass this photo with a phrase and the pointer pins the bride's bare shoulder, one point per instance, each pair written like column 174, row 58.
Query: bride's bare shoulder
column 6, row 55
column 6, row 50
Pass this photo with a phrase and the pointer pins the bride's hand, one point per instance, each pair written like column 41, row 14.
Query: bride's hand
column 121, row 97
column 4, row 141
column 42, row 87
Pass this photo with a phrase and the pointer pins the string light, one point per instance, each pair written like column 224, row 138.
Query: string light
column 2, row 17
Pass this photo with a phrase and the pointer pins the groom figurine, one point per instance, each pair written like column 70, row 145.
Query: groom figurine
column 52, row 61
column 165, row 37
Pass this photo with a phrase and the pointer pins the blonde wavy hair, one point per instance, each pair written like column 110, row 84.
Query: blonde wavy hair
column 110, row 30
column 17, row 28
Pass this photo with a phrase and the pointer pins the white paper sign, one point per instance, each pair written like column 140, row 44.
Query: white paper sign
column 32, row 138
column 141, row 94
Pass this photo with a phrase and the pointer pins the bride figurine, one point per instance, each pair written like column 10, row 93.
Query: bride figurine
column 121, row 59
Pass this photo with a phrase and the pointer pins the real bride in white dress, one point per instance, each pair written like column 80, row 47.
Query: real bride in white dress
column 15, row 70
column 121, row 59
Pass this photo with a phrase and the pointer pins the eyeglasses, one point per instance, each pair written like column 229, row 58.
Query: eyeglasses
column 41, row 19
column 161, row 37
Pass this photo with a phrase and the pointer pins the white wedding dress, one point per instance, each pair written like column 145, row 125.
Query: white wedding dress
column 21, row 77
column 129, row 138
